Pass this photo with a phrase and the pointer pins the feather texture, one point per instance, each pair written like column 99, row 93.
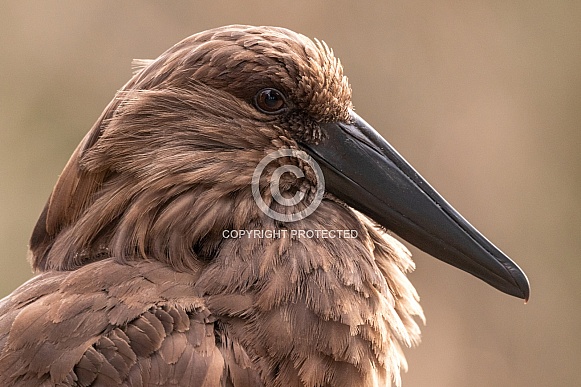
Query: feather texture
column 137, row 284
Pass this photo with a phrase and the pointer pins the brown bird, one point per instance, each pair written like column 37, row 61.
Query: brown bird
column 166, row 256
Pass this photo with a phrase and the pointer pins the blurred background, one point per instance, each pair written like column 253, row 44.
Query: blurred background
column 482, row 97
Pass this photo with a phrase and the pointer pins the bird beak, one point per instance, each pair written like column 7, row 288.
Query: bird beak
column 361, row 168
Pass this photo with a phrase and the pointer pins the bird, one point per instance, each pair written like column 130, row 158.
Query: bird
column 166, row 257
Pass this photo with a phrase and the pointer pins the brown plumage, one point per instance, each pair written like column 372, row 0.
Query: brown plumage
column 137, row 284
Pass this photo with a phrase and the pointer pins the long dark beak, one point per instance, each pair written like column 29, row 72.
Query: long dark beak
column 366, row 172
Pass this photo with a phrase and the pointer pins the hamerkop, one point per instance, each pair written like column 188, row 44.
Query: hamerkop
column 224, row 223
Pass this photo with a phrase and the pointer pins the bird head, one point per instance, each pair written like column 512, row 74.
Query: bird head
column 169, row 164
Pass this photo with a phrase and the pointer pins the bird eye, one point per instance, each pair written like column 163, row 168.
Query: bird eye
column 270, row 101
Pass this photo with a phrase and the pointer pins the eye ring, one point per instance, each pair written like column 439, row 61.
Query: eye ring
column 270, row 101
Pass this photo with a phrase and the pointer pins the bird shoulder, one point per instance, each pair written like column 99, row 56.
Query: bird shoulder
column 112, row 324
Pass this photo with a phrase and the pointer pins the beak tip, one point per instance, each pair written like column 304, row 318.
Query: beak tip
column 521, row 286
column 526, row 293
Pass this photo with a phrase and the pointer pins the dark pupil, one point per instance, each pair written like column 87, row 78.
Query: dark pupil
column 271, row 100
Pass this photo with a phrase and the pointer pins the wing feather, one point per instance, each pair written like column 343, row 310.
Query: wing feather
column 108, row 323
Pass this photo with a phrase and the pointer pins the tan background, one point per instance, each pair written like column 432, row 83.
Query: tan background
column 482, row 97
